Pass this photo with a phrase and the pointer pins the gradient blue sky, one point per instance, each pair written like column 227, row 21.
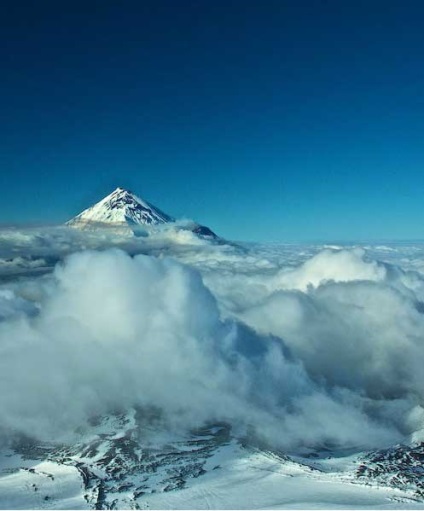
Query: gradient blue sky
column 266, row 120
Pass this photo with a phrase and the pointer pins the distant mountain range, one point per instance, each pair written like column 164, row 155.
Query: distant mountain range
column 124, row 210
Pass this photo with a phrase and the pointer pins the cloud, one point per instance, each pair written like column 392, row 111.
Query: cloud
column 300, row 345
column 365, row 335
column 34, row 251
column 332, row 266
column 115, row 331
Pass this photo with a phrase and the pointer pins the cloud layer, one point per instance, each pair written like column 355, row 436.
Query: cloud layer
column 303, row 349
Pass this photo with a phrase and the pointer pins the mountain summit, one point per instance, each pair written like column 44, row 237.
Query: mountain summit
column 124, row 209
column 119, row 208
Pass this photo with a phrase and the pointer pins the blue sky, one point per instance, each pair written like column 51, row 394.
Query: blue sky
column 266, row 120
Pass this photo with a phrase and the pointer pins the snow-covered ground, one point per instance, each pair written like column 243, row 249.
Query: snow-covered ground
column 259, row 480
column 233, row 477
column 39, row 485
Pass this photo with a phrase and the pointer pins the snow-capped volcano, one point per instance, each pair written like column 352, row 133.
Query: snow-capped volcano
column 128, row 213
column 119, row 208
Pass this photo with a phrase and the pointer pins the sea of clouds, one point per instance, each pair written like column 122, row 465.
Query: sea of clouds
column 298, row 346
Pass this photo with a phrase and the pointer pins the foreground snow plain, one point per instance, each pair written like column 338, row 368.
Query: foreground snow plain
column 349, row 318
column 234, row 477
column 243, row 481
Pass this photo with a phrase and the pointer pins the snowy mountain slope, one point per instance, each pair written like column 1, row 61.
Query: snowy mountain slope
column 35, row 484
column 401, row 466
column 121, row 207
column 127, row 213
column 129, row 462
